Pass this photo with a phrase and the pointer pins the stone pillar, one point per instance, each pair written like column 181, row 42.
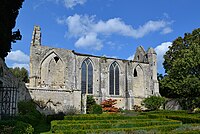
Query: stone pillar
column 83, row 103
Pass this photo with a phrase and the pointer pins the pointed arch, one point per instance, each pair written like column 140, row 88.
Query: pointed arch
column 52, row 70
column 50, row 54
column 87, row 77
column 114, row 79
column 138, row 81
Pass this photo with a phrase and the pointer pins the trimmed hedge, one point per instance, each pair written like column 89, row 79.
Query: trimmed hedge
column 163, row 128
column 110, row 125
column 154, row 121
column 104, row 117
column 175, row 115
column 183, row 118
column 105, row 121
column 188, row 132
column 178, row 113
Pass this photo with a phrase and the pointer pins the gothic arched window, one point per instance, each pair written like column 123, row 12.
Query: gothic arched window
column 114, row 79
column 87, row 77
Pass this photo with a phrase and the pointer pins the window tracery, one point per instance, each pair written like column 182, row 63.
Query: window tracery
column 87, row 77
column 114, row 79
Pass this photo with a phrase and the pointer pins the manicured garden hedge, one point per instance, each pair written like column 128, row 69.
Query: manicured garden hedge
column 179, row 115
column 111, row 125
column 163, row 128
column 103, row 117
column 153, row 122
column 106, row 121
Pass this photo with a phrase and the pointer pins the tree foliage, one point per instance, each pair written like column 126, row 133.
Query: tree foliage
column 89, row 103
column 153, row 102
column 108, row 105
column 9, row 9
column 21, row 74
column 92, row 106
column 182, row 65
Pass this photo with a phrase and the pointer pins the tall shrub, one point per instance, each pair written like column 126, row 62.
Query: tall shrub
column 92, row 106
column 153, row 102
column 28, row 113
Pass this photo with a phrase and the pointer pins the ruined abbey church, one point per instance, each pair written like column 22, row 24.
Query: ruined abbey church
column 62, row 78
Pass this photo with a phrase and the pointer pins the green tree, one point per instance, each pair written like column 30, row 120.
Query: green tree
column 21, row 74
column 92, row 106
column 182, row 65
column 9, row 10
column 153, row 102
column 90, row 102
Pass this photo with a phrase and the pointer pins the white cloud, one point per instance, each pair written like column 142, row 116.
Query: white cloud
column 150, row 26
column 161, row 50
column 114, row 46
column 38, row 4
column 72, row 3
column 131, row 57
column 166, row 30
column 111, row 26
column 60, row 21
column 80, row 26
column 18, row 56
column 89, row 41
column 26, row 66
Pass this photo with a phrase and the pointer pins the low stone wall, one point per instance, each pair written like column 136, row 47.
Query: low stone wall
column 51, row 101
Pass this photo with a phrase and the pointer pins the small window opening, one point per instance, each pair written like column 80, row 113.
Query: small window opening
column 138, row 57
column 152, row 91
column 135, row 73
column 56, row 59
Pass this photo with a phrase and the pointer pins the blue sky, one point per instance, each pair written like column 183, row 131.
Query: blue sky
column 113, row 28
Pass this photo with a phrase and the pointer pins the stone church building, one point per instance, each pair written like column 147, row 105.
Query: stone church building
column 61, row 78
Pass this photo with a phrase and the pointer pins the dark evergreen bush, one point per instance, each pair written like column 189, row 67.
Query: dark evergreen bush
column 28, row 113
column 90, row 102
column 96, row 109
column 25, row 107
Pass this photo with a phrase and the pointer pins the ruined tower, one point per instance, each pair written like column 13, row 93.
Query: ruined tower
column 152, row 59
column 34, row 60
